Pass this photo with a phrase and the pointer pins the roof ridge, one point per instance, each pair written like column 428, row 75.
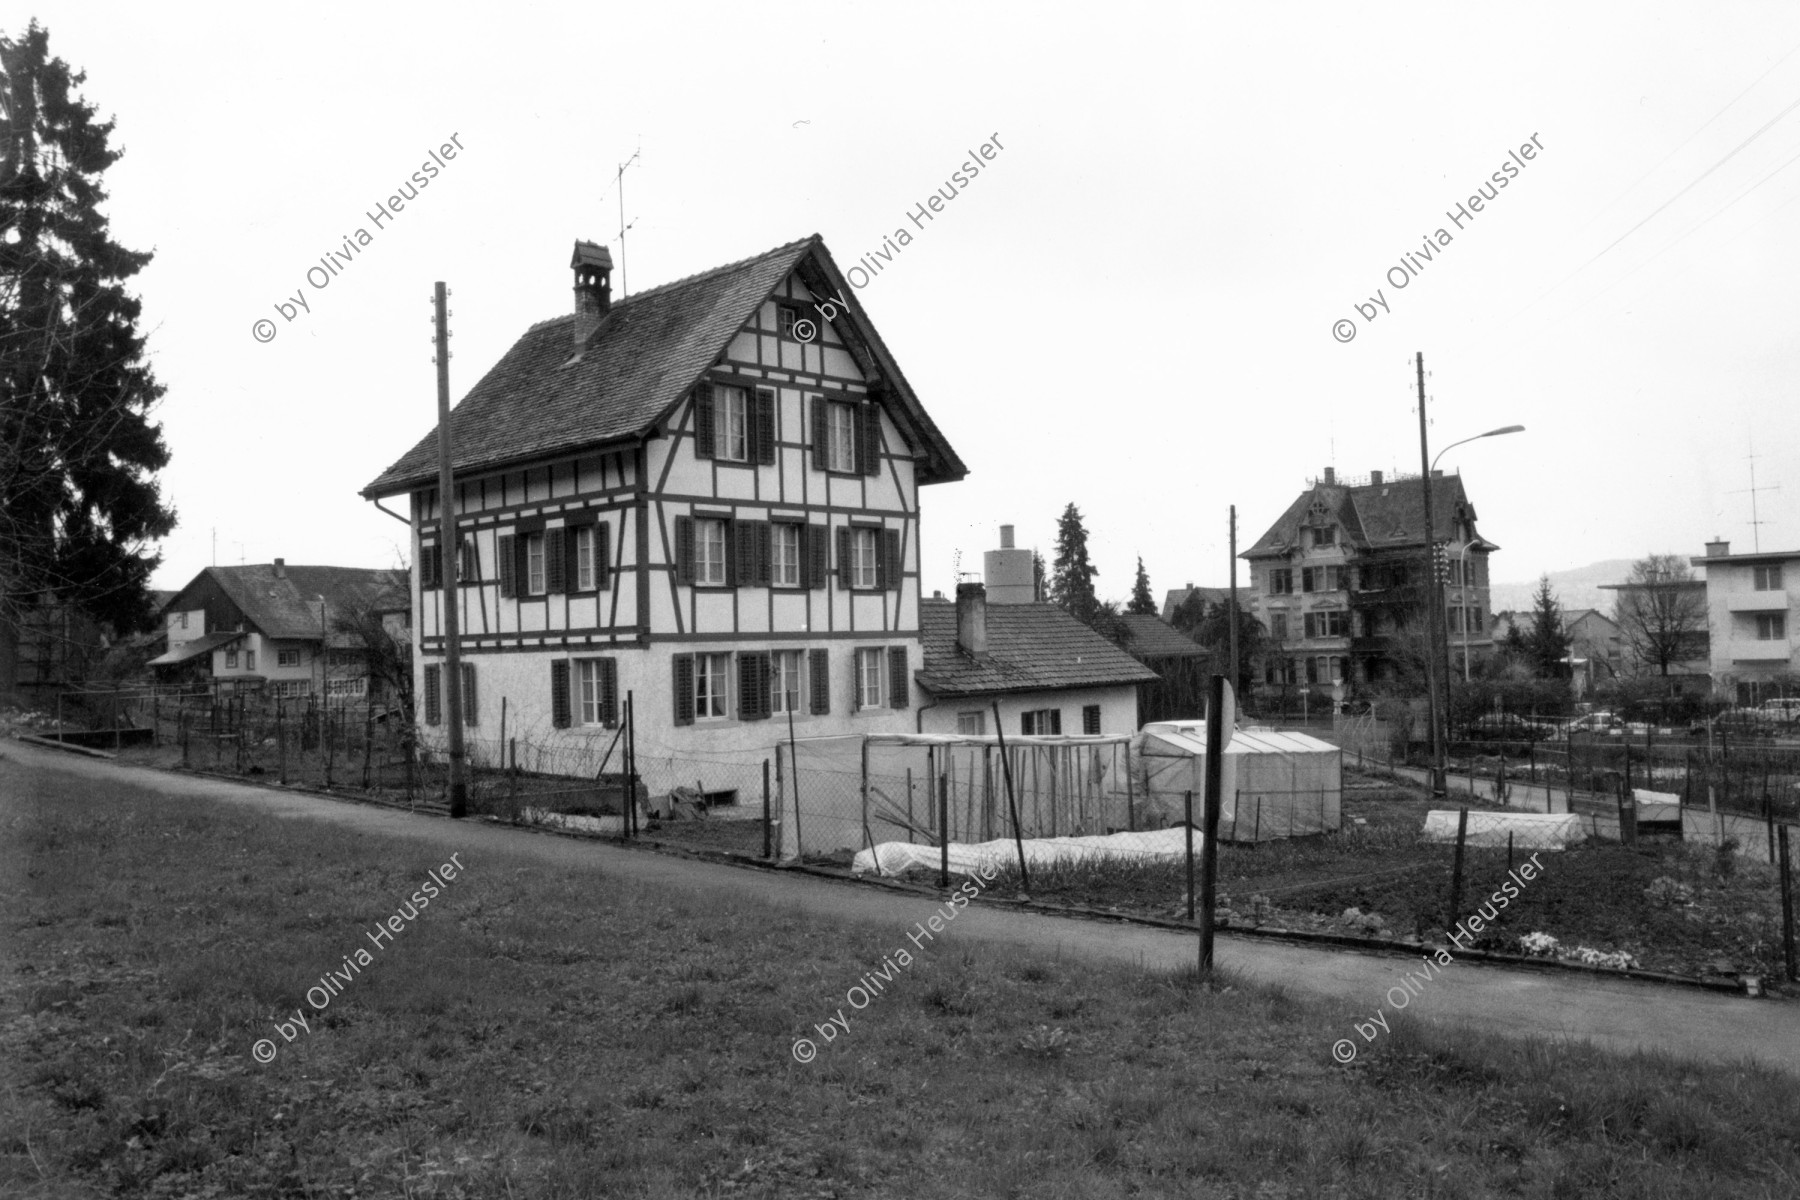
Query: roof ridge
column 711, row 271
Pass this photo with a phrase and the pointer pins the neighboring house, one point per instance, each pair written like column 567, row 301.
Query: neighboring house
column 1183, row 669
column 269, row 627
column 1597, row 651
column 706, row 496
column 1689, row 671
column 1049, row 673
column 1174, row 598
column 1339, row 580
column 1752, row 605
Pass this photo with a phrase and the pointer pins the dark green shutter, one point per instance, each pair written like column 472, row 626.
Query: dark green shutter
column 845, row 574
column 899, row 695
column 763, row 535
column 608, row 671
column 819, row 662
column 740, row 540
column 555, row 563
column 684, row 550
column 855, row 679
column 602, row 556
column 821, row 454
column 816, row 539
column 703, row 421
column 868, row 439
column 559, row 695
column 762, row 407
column 468, row 695
column 433, row 695
column 509, row 565
column 891, row 572
column 428, row 566
column 753, row 686
column 683, row 667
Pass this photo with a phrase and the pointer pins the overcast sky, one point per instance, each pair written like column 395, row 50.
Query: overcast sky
column 1131, row 309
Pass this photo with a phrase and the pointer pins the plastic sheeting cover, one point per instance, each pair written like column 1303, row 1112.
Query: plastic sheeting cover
column 966, row 858
column 1531, row 831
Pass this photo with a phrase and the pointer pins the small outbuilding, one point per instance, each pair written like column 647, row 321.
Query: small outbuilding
column 1276, row 784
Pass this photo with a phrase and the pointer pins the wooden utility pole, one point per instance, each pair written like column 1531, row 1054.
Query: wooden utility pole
column 1218, row 734
column 1236, row 678
column 1434, row 601
column 448, row 591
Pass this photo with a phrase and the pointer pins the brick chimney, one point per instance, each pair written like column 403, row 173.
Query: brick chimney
column 1718, row 548
column 1375, row 478
column 592, row 265
column 1330, row 475
column 281, row 568
column 971, row 619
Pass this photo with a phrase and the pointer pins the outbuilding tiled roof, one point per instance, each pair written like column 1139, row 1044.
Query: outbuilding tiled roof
column 287, row 605
column 645, row 354
column 1031, row 647
column 1153, row 637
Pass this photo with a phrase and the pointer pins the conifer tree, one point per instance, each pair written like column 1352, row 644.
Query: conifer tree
column 1142, row 601
column 1072, row 572
column 79, row 504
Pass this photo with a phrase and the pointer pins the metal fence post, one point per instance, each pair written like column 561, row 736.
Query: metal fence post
column 1787, row 908
column 1187, row 826
column 767, row 852
column 943, row 790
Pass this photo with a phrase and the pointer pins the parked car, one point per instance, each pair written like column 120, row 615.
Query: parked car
column 1604, row 723
column 1507, row 727
column 1737, row 723
column 1782, row 712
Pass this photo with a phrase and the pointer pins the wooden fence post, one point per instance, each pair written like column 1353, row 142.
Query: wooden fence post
column 1787, row 908
column 1456, row 868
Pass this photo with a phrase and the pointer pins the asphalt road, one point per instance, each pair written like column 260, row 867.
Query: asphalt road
column 1617, row 1014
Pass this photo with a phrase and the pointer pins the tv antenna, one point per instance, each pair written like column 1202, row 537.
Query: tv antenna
column 1756, row 522
column 619, row 182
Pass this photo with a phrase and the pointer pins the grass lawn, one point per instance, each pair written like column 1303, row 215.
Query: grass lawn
column 536, row 1032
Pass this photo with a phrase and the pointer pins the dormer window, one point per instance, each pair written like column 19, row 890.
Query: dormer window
column 1325, row 535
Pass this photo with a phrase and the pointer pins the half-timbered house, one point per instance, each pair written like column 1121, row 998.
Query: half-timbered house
column 705, row 496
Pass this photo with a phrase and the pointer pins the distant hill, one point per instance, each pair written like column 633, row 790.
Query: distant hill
column 1576, row 588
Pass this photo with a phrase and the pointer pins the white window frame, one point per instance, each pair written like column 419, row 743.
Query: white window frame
column 1039, row 720
column 871, row 677
column 709, row 536
column 972, row 724
column 1771, row 627
column 537, row 581
column 712, row 686
column 784, row 555
column 731, row 423
column 587, row 691
column 287, row 658
column 840, row 437
column 184, row 619
column 1766, row 579
column 231, row 658
column 584, row 558
column 787, row 682
column 865, row 557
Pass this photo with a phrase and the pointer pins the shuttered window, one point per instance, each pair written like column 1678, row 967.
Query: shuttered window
column 1090, row 718
column 430, row 571
column 597, row 691
column 1041, row 722
column 818, row 543
column 556, row 563
column 703, row 552
column 751, row 551
column 682, row 667
column 559, row 693
column 753, row 686
column 434, row 698
column 870, row 690
column 785, row 541
column 899, row 694
column 468, row 695
column 868, row 439
column 509, row 564
column 836, row 432
column 535, row 579
column 821, row 681
column 891, row 572
column 704, row 428
column 762, row 421
column 785, row 672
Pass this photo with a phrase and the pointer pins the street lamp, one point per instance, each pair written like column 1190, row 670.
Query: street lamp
column 1440, row 642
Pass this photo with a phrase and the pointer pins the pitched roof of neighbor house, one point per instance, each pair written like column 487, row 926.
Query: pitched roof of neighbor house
column 1031, row 647
column 646, row 353
column 1153, row 637
column 1373, row 516
column 286, row 604
column 1174, row 598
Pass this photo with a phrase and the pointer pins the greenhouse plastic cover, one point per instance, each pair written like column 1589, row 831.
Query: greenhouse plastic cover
column 966, row 858
column 1531, row 831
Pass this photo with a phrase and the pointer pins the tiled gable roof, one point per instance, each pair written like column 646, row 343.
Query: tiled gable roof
column 1174, row 598
column 1031, row 647
column 1153, row 637
column 287, row 606
column 1372, row 516
column 646, row 353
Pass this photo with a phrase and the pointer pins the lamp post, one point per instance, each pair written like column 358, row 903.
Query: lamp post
column 1440, row 642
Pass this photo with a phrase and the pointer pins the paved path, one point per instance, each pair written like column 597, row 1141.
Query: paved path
column 1618, row 1014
